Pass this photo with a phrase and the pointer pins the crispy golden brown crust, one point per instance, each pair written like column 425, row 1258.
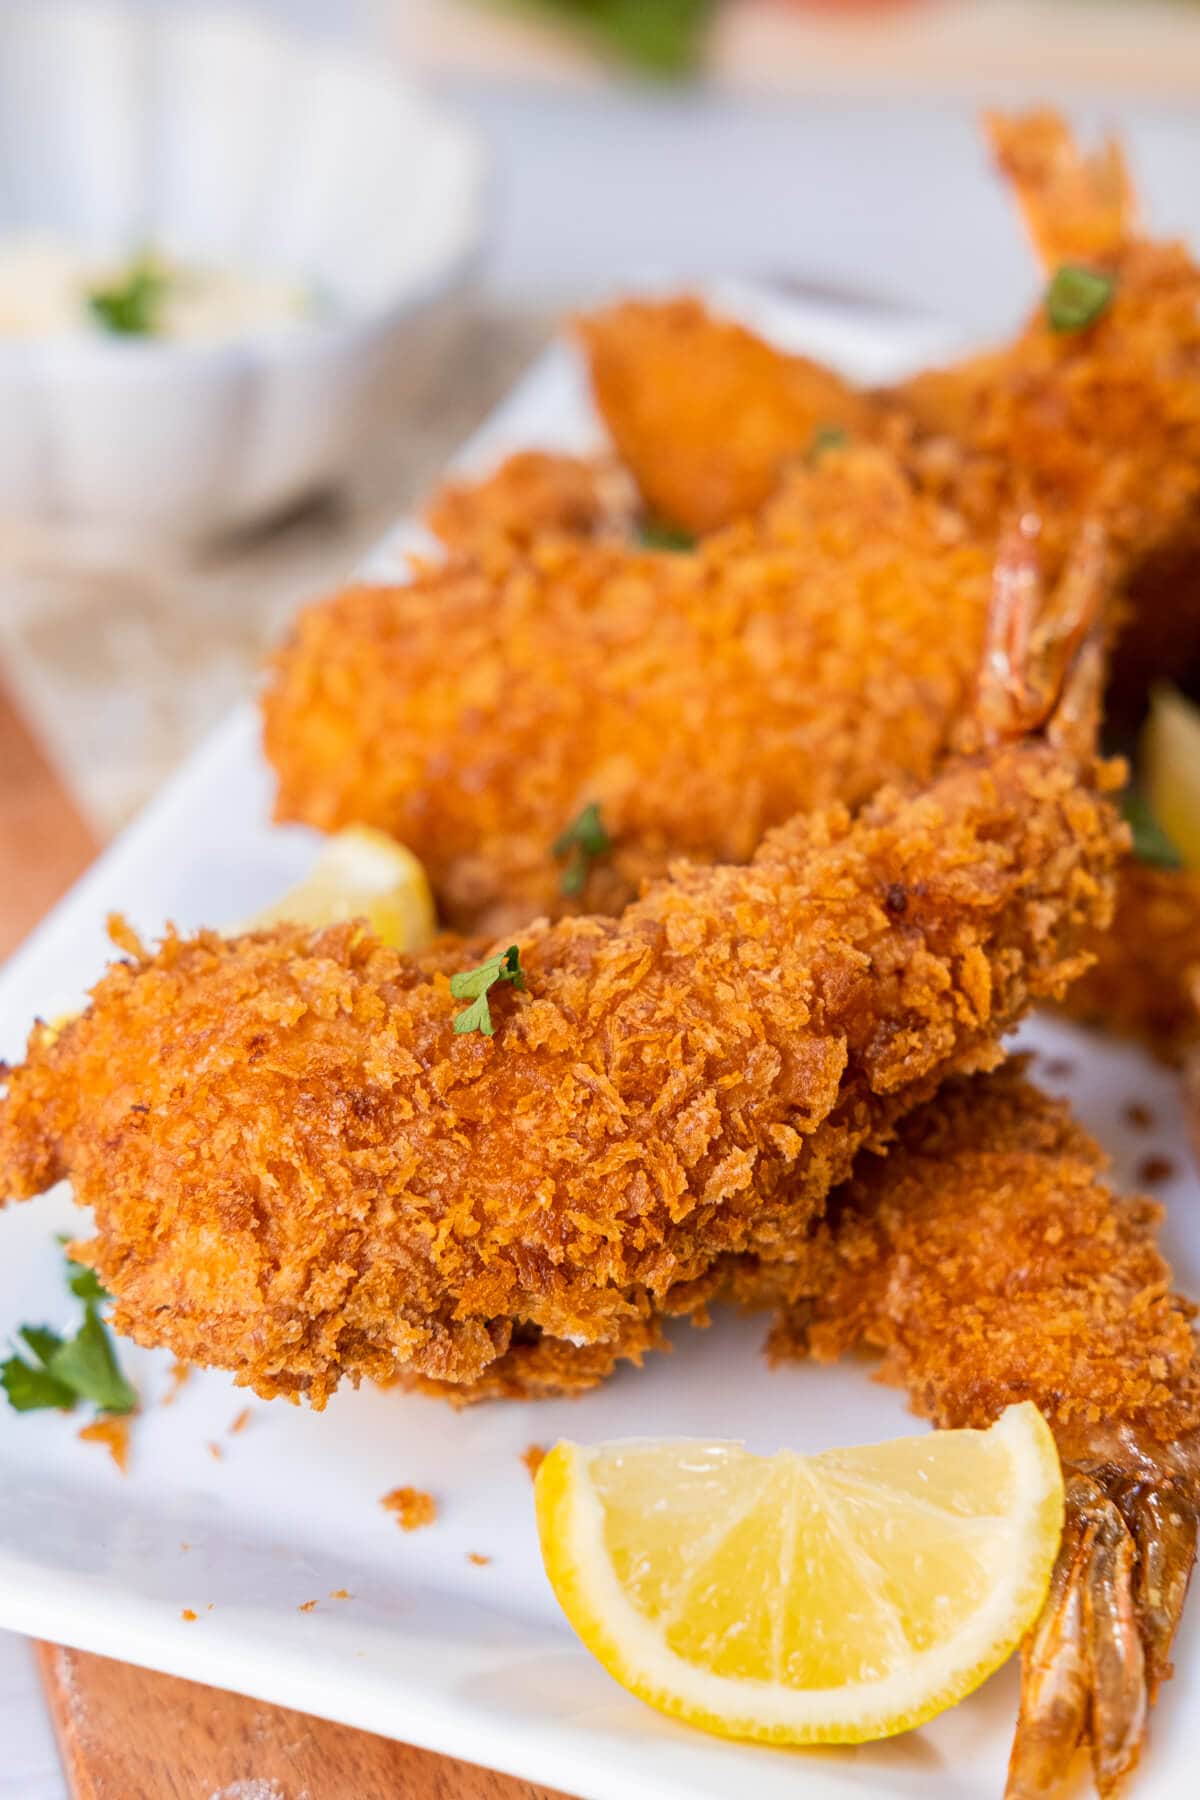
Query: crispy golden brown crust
column 534, row 494
column 1142, row 982
column 812, row 655
column 987, row 1258
column 1102, row 422
column 699, row 699
column 299, row 1172
column 706, row 416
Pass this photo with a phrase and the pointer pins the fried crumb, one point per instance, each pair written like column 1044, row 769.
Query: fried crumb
column 216, row 1452
column 210, row 1606
column 306, row 1606
column 413, row 1507
column 533, row 1456
column 1060, row 1068
column 341, row 1594
column 480, row 1561
column 1138, row 1115
column 113, row 1433
column 185, row 1546
column 188, row 1616
column 240, row 1423
column 178, row 1373
column 1152, row 1171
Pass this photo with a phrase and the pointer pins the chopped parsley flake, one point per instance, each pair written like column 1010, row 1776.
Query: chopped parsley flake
column 657, row 534
column 583, row 841
column 476, row 984
column 1150, row 842
column 132, row 305
column 827, row 437
column 1077, row 297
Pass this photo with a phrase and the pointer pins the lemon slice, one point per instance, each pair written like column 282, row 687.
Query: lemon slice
column 1171, row 765
column 805, row 1599
column 361, row 874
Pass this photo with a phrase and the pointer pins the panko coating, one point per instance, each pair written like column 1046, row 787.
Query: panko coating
column 697, row 699
column 300, row 1171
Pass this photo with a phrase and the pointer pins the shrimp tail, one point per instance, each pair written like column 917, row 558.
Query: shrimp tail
column 1077, row 207
column 1043, row 666
column 1092, row 1665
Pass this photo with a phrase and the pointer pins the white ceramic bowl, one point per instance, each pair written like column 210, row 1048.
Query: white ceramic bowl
column 224, row 142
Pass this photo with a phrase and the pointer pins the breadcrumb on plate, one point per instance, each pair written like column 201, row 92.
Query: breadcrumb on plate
column 533, row 1456
column 113, row 1433
column 413, row 1507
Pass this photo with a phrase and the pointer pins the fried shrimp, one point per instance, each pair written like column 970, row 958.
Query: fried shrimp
column 301, row 1171
column 697, row 700
column 1096, row 414
column 706, row 416
column 989, row 1262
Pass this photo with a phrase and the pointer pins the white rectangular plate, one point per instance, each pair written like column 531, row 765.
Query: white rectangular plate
column 475, row 1661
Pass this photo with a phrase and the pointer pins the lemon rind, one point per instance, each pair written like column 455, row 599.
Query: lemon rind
column 571, row 1517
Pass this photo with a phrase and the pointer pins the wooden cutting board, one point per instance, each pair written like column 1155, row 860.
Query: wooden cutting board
column 125, row 1733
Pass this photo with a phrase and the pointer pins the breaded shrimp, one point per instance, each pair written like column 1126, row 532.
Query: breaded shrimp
column 1100, row 421
column 301, row 1172
column 698, row 699
column 706, row 416
column 990, row 1263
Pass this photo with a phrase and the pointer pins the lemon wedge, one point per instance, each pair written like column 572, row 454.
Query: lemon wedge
column 1171, row 770
column 804, row 1599
column 361, row 874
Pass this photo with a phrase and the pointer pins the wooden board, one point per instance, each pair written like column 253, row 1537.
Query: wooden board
column 44, row 841
column 126, row 1733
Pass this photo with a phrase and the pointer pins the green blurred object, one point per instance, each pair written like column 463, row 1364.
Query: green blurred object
column 659, row 534
column 1076, row 297
column 664, row 38
column 827, row 437
column 1150, row 842
column 131, row 306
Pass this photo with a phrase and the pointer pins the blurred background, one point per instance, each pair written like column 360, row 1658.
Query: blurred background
column 830, row 146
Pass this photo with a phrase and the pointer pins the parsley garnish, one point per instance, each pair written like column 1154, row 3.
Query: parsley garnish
column 34, row 1390
column 86, row 1284
column 1150, row 842
column 131, row 307
column 581, row 843
column 657, row 534
column 67, row 1370
column 1076, row 297
column 475, row 984
column 29, row 1387
column 87, row 1364
column 827, row 437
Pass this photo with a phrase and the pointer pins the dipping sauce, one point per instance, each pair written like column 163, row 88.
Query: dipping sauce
column 49, row 289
